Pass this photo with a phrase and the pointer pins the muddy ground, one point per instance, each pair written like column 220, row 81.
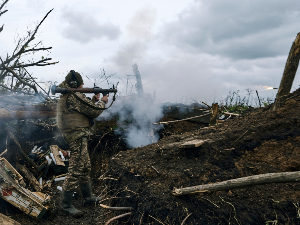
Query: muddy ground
column 144, row 178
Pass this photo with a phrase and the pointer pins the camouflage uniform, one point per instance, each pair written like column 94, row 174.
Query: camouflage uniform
column 76, row 135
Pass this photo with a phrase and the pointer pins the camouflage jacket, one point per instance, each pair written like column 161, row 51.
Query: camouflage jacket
column 73, row 104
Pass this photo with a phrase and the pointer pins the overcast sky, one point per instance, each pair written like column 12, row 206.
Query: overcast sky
column 184, row 49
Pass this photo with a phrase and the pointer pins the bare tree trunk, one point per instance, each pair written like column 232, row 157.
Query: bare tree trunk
column 213, row 118
column 241, row 182
column 139, row 84
column 289, row 73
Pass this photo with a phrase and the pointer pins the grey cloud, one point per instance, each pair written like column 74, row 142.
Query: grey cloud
column 84, row 28
column 237, row 29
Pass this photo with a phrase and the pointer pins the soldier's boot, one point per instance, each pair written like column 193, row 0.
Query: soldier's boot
column 86, row 190
column 66, row 204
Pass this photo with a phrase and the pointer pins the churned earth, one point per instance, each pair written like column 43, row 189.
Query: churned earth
column 260, row 141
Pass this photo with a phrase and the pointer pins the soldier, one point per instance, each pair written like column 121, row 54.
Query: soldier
column 74, row 120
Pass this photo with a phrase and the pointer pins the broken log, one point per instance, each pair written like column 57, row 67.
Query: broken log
column 6, row 115
column 29, row 177
column 289, row 73
column 241, row 182
column 193, row 143
column 213, row 118
column 5, row 220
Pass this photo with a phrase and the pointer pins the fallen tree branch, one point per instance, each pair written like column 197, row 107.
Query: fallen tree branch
column 100, row 141
column 118, row 217
column 211, row 202
column 116, row 208
column 234, row 211
column 239, row 138
column 109, row 199
column 241, row 182
column 186, row 218
column 157, row 220
column 231, row 114
column 173, row 121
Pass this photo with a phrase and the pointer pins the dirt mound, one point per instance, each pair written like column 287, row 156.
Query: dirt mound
column 260, row 141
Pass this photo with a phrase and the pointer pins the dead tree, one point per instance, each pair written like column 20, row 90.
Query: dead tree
column 14, row 65
column 2, row 12
column 289, row 73
column 213, row 117
column 139, row 85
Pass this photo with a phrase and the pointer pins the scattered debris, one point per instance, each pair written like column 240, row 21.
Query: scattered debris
column 32, row 203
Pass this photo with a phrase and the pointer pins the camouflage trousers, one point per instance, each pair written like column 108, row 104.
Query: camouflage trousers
column 79, row 164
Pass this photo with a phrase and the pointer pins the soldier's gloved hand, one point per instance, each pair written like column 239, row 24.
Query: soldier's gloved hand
column 104, row 98
column 96, row 98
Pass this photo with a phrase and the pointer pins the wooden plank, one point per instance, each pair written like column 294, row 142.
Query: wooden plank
column 5, row 220
column 193, row 143
column 29, row 202
column 55, row 150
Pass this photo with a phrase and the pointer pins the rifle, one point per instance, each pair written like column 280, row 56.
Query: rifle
column 95, row 90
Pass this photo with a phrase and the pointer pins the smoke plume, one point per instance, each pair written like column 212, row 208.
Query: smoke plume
column 136, row 116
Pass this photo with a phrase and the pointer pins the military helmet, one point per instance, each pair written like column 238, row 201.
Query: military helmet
column 74, row 79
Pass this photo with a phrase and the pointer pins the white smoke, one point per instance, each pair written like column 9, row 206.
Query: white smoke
column 139, row 34
column 136, row 116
